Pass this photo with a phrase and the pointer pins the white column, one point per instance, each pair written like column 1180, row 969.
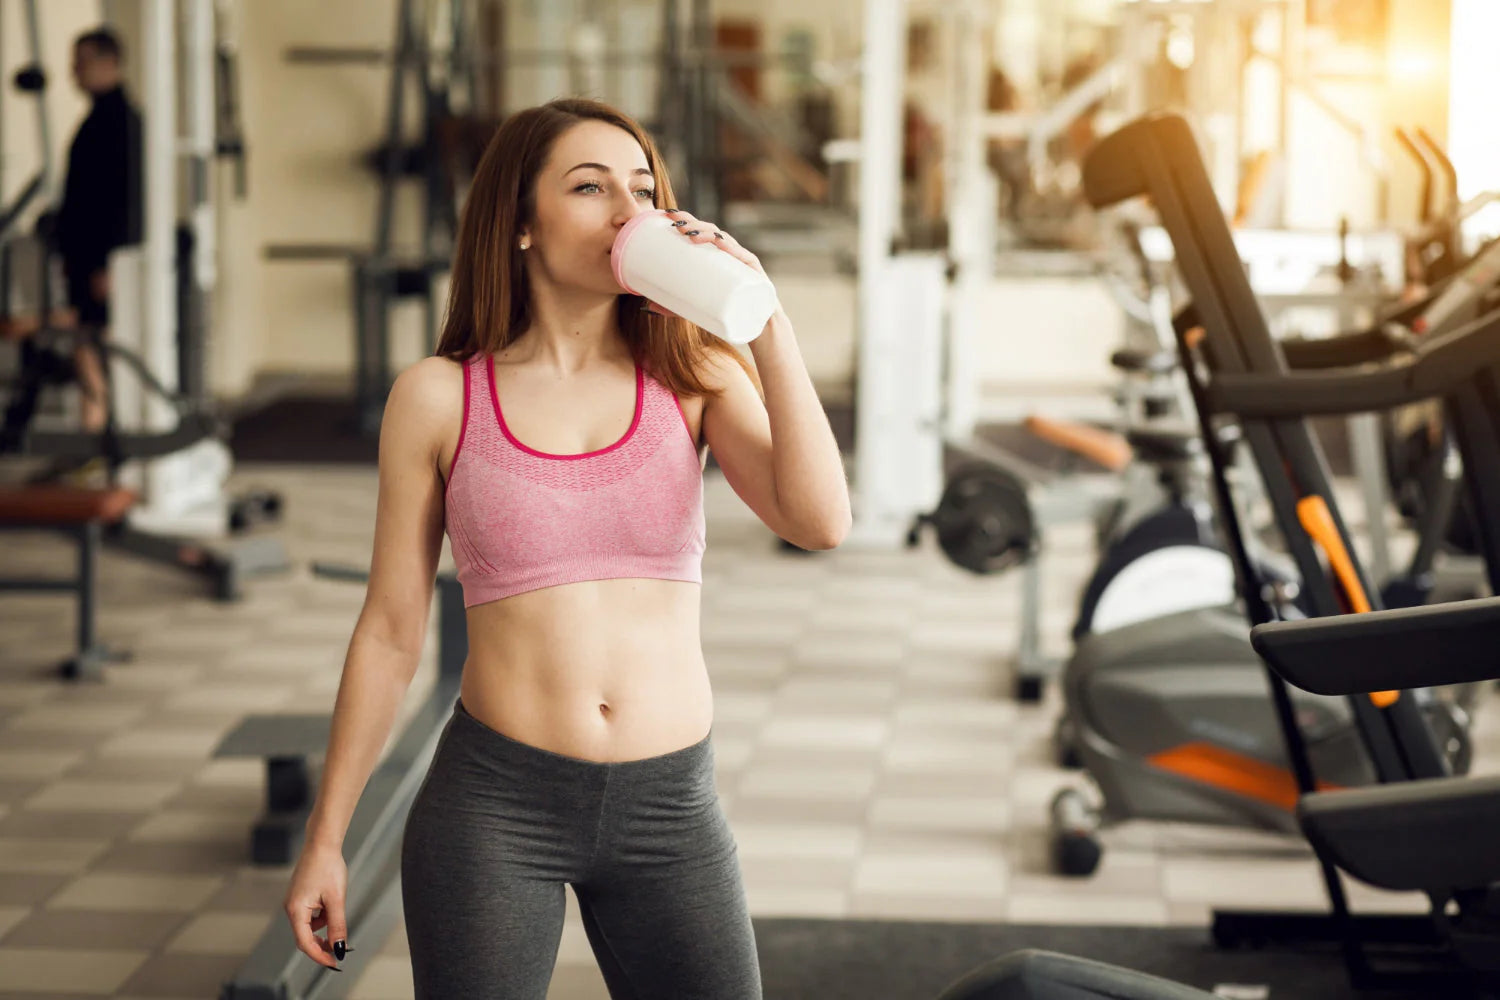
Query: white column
column 897, row 452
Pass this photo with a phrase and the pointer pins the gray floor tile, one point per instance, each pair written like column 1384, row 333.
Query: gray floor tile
column 209, row 858
column 59, row 823
column 90, row 929
column 182, row 975
column 30, row 889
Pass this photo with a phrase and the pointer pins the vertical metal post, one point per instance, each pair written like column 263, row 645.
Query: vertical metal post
column 89, row 539
column 883, row 72
column 394, row 119
column 159, row 243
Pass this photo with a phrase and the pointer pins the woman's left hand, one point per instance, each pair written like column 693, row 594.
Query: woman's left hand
column 706, row 232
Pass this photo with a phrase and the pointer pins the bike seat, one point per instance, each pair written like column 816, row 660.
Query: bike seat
column 1164, row 444
column 1143, row 362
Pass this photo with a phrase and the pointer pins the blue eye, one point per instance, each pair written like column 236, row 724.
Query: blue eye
column 650, row 195
column 587, row 184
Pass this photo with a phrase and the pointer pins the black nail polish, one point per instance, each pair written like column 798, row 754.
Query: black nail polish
column 680, row 222
column 718, row 236
column 338, row 950
column 693, row 232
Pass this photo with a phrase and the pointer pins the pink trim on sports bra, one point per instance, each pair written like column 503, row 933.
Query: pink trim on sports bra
column 635, row 420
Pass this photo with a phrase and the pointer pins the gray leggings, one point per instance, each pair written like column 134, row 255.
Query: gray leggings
column 497, row 828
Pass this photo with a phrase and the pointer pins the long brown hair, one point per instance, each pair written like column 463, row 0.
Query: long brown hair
column 489, row 300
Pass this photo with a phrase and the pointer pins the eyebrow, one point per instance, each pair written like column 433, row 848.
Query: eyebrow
column 599, row 166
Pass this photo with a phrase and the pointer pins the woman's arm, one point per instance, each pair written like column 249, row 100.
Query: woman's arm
column 779, row 455
column 384, row 652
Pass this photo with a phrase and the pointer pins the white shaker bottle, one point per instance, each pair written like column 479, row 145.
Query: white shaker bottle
column 699, row 282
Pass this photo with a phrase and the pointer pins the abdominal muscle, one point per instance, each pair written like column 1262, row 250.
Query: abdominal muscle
column 602, row 670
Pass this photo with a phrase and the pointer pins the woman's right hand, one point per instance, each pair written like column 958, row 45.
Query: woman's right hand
column 315, row 900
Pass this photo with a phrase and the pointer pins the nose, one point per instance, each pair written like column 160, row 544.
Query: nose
column 628, row 207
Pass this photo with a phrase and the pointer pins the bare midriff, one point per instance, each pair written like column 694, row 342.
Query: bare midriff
column 601, row 670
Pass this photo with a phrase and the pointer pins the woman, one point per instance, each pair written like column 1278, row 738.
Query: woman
column 557, row 437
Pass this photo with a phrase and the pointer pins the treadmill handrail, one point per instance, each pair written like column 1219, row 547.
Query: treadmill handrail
column 1402, row 648
column 1434, row 368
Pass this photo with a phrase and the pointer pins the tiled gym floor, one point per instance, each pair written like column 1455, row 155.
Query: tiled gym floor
column 870, row 760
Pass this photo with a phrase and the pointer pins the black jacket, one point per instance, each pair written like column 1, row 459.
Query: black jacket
column 102, row 199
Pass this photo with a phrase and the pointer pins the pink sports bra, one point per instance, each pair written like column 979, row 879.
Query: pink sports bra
column 520, row 519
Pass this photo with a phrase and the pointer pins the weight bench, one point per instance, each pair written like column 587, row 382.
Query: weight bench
column 293, row 745
column 289, row 744
column 81, row 514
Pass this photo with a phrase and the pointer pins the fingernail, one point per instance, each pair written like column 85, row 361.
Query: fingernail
column 718, row 236
column 338, row 950
column 693, row 232
column 680, row 222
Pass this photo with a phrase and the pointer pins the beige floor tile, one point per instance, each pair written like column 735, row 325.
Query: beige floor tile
column 988, row 758
column 231, row 772
column 1189, row 914
column 732, row 706
column 183, row 825
column 798, row 873
column 36, row 765
column 229, row 799
column 233, row 697
column 191, row 743
column 773, row 901
column 1132, row 911
column 96, row 767
column 848, row 783
column 27, row 824
column 577, row 982
column 804, row 693
column 127, row 893
column 16, row 693
column 45, row 928
column 977, row 716
column 984, row 638
column 794, row 840
column 13, row 793
column 210, row 857
column 102, row 796
column 817, row 758
column 50, row 856
column 763, row 809
column 30, row 889
column 880, row 618
column 870, row 905
column 766, row 630
column 936, row 784
column 386, row 978
column 824, row 732
column 61, row 716
column 220, row 934
column 10, row 916
column 840, row 648
column 934, row 844
column 965, row 877
column 793, row 601
column 252, row 891
column 183, row 975
column 1243, row 883
column 156, row 676
column 59, row 970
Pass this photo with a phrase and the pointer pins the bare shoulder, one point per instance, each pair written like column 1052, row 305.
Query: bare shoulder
column 427, row 401
column 431, row 388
